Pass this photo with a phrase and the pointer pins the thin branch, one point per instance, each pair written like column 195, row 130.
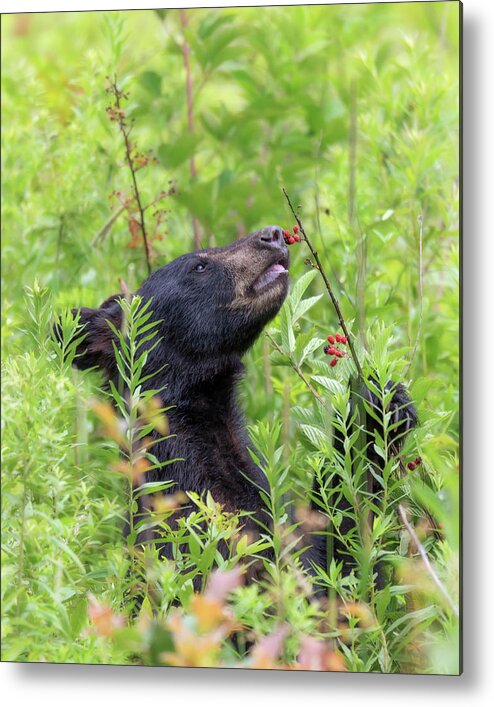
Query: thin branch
column 126, row 130
column 336, row 305
column 425, row 560
column 421, row 293
column 184, row 21
column 298, row 371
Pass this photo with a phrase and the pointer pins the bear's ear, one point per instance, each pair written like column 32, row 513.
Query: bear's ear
column 96, row 348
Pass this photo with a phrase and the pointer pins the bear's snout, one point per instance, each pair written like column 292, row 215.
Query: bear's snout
column 258, row 263
column 273, row 237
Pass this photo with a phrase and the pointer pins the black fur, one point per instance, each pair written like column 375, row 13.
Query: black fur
column 211, row 316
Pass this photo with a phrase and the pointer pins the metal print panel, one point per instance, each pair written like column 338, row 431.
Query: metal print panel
column 231, row 412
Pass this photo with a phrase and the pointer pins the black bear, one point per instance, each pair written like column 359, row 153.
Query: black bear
column 213, row 304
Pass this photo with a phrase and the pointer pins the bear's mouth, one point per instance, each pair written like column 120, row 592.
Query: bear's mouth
column 275, row 271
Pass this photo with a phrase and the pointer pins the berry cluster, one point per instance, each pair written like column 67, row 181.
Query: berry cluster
column 289, row 239
column 413, row 465
column 115, row 113
column 332, row 350
column 141, row 159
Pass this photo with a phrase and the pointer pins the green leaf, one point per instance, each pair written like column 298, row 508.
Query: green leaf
column 300, row 287
column 151, row 81
column 286, row 330
column 303, row 306
column 178, row 149
column 315, row 435
column 152, row 487
column 334, row 386
column 312, row 346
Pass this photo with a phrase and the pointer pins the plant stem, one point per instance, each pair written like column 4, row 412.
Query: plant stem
column 190, row 112
column 128, row 157
column 298, row 371
column 336, row 305
column 425, row 560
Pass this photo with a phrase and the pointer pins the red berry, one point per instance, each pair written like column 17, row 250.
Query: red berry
column 333, row 362
column 297, row 239
column 411, row 466
column 338, row 353
column 417, row 461
column 338, row 337
column 287, row 234
column 331, row 350
column 343, row 340
column 295, row 229
column 331, row 339
column 291, row 240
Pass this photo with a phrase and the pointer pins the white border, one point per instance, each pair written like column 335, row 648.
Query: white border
column 60, row 5
column 57, row 685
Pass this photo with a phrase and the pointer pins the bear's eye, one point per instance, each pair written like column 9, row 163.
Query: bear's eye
column 200, row 267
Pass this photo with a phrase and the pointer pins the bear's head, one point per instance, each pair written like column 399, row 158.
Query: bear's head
column 213, row 304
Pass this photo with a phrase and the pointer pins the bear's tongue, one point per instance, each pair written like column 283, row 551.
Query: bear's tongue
column 270, row 275
column 277, row 267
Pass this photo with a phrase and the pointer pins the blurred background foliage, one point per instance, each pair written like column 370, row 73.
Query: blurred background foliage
column 353, row 109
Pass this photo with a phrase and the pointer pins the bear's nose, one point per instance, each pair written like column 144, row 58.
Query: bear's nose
column 273, row 236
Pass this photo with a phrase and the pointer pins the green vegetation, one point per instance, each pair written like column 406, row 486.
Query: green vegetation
column 354, row 110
